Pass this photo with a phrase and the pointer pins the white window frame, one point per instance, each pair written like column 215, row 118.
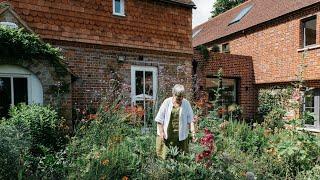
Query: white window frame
column 154, row 71
column 316, row 110
column 122, row 8
column 11, row 76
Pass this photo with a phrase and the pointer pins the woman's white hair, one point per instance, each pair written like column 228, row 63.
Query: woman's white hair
column 178, row 90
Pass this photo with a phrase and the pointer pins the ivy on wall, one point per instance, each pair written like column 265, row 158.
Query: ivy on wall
column 21, row 45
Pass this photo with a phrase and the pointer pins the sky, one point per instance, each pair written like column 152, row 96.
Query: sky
column 202, row 13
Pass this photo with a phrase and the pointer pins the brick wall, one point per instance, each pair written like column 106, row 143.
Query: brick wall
column 274, row 47
column 96, row 67
column 234, row 66
column 148, row 24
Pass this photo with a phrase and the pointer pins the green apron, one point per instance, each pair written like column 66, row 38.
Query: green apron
column 162, row 146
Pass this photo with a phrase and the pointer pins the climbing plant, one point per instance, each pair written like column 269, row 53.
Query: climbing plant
column 20, row 45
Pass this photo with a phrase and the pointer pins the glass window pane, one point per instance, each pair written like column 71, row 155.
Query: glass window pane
column 310, row 32
column 20, row 88
column 309, row 99
column 139, row 82
column 149, row 83
column 229, row 95
column 117, row 6
column 5, row 96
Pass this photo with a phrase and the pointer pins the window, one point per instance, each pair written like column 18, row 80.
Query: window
column 144, row 90
column 18, row 85
column 312, row 106
column 196, row 33
column 242, row 13
column 309, row 31
column 226, row 48
column 118, row 7
column 229, row 94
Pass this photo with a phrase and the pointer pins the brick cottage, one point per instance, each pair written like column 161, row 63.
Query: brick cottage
column 278, row 37
column 137, row 47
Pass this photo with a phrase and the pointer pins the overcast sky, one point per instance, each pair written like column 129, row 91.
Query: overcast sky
column 202, row 13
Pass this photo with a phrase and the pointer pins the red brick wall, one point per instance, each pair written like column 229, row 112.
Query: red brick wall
column 274, row 48
column 148, row 24
column 96, row 67
column 234, row 66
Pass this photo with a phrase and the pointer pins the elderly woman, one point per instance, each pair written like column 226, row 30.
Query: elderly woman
column 174, row 120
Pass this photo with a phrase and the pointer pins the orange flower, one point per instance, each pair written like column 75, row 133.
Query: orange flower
column 105, row 162
column 92, row 116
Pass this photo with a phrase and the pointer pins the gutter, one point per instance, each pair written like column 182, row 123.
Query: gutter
column 191, row 5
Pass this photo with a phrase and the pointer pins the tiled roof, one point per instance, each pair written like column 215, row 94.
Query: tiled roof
column 262, row 11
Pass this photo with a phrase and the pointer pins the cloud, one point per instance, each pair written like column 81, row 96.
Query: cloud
column 202, row 13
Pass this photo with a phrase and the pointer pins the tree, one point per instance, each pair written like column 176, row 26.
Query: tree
column 221, row 6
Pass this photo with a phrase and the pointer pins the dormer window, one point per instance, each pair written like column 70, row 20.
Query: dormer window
column 118, row 7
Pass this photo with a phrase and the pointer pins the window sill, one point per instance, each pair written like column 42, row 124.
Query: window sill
column 314, row 130
column 309, row 48
column 119, row 15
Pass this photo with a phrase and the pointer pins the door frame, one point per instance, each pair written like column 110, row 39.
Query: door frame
column 154, row 71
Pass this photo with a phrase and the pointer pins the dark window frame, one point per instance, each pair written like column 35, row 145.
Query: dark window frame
column 303, row 31
column 238, row 82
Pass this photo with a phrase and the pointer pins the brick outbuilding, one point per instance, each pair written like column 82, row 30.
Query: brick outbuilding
column 136, row 48
column 281, row 36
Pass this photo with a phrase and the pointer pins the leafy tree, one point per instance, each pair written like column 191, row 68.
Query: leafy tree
column 221, row 6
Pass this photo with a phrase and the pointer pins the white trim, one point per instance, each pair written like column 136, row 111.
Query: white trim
column 122, row 8
column 154, row 71
column 316, row 109
column 34, row 86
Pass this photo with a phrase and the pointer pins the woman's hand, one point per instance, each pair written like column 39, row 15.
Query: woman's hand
column 161, row 135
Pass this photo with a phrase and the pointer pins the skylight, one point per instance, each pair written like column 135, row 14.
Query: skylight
column 241, row 14
column 196, row 32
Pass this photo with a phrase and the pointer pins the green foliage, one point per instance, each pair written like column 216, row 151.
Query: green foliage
column 13, row 144
column 314, row 173
column 274, row 119
column 274, row 98
column 204, row 51
column 40, row 122
column 18, row 44
column 39, row 126
column 221, row 6
column 299, row 150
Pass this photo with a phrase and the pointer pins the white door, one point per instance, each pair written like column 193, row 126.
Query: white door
column 144, row 89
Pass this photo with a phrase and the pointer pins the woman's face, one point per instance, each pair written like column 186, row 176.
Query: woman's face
column 178, row 98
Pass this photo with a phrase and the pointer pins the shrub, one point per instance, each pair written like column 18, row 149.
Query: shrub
column 314, row 173
column 40, row 125
column 13, row 145
column 274, row 119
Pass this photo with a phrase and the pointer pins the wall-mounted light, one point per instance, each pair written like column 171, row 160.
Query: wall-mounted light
column 121, row 58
